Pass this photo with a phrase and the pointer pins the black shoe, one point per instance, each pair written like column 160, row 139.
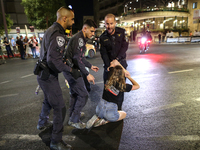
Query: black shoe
column 60, row 146
column 47, row 125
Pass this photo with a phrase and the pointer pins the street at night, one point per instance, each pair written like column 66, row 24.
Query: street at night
column 163, row 114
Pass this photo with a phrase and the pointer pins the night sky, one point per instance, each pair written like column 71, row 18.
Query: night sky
column 81, row 8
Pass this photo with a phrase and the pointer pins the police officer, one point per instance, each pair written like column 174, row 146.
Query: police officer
column 113, row 46
column 51, row 55
column 75, row 53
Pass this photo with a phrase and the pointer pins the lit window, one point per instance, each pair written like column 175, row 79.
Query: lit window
column 194, row 5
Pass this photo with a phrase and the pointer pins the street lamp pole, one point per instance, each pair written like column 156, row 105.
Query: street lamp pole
column 4, row 19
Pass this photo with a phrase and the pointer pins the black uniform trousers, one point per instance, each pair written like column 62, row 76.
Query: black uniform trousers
column 78, row 96
column 52, row 99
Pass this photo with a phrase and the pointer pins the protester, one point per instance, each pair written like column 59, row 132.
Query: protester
column 1, row 53
column 51, row 55
column 75, row 57
column 107, row 108
column 13, row 43
column 8, row 48
column 20, row 44
column 32, row 44
column 113, row 46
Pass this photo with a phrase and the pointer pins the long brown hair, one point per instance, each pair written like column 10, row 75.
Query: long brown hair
column 117, row 77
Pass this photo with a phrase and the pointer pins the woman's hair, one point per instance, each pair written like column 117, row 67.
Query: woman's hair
column 117, row 77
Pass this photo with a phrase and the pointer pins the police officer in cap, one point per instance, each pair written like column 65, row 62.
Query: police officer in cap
column 113, row 46
column 75, row 54
column 51, row 55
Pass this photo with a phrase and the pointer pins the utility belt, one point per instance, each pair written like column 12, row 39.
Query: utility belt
column 42, row 70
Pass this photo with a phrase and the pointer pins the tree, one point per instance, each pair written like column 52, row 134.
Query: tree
column 9, row 23
column 42, row 13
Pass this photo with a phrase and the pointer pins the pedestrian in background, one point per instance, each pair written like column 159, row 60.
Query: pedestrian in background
column 1, row 53
column 13, row 43
column 107, row 108
column 113, row 46
column 8, row 48
column 51, row 55
column 75, row 55
column 159, row 37
column 32, row 44
column 20, row 44
column 25, row 41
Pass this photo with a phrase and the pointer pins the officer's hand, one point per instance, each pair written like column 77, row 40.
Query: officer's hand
column 114, row 63
column 75, row 73
column 90, row 78
column 95, row 68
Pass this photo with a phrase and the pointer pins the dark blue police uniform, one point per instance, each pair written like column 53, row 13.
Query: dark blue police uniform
column 75, row 52
column 113, row 47
column 52, row 49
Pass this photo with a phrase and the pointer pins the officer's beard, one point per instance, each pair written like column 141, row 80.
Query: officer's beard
column 69, row 27
column 113, row 30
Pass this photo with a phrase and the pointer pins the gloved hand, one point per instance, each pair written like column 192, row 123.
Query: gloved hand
column 75, row 73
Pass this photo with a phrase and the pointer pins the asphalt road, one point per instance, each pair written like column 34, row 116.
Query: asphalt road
column 162, row 115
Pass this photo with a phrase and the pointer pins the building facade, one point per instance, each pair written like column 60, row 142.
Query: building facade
column 155, row 15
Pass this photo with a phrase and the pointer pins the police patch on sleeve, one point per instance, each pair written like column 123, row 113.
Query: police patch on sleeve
column 80, row 42
column 60, row 41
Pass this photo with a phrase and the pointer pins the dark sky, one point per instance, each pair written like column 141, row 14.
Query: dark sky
column 81, row 8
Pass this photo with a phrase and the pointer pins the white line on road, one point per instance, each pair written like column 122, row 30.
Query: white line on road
column 175, row 138
column 180, row 71
column 32, row 137
column 27, row 76
column 198, row 99
column 9, row 95
column 5, row 81
column 151, row 110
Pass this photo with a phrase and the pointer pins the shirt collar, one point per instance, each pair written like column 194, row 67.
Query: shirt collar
column 60, row 27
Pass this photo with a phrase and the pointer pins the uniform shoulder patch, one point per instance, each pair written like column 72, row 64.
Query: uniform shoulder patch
column 60, row 41
column 80, row 42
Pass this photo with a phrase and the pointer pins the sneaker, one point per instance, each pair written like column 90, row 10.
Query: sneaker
column 69, row 122
column 100, row 122
column 91, row 122
column 60, row 146
column 47, row 125
column 78, row 125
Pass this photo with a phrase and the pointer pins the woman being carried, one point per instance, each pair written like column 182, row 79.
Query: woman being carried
column 107, row 109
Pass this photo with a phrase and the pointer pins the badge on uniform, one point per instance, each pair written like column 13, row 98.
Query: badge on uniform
column 80, row 42
column 60, row 41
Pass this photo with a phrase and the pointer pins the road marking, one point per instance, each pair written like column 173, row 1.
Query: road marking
column 198, row 99
column 18, row 108
column 174, row 138
column 5, row 81
column 9, row 95
column 180, row 71
column 145, row 76
column 155, row 109
column 27, row 76
column 32, row 137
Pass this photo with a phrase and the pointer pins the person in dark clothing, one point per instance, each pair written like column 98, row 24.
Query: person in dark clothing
column 20, row 43
column 78, row 93
column 8, row 48
column 159, row 37
column 51, row 55
column 106, row 110
column 113, row 46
